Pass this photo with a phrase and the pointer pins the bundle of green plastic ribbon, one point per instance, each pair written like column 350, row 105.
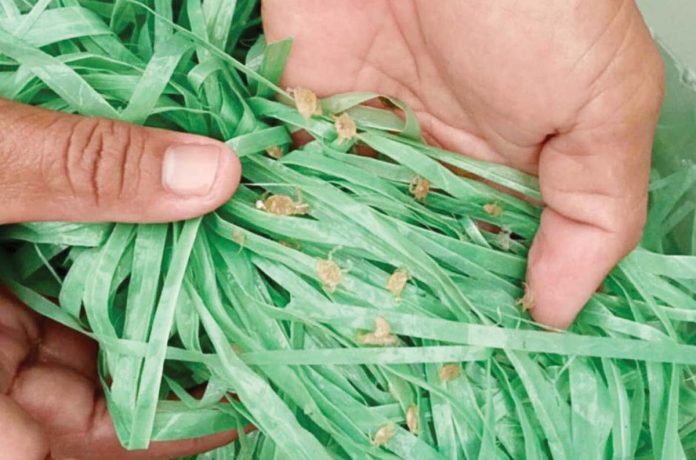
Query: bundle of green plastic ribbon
column 347, row 306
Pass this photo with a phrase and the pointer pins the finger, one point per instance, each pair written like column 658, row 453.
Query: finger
column 76, row 420
column 56, row 166
column 21, row 436
column 101, row 442
column 18, row 333
column 66, row 347
column 594, row 182
column 23, row 336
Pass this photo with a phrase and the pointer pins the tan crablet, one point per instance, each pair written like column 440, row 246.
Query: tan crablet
column 274, row 152
column 381, row 336
column 412, row 419
column 493, row 209
column 419, row 188
column 283, row 205
column 345, row 128
column 306, row 102
column 449, row 372
column 527, row 300
column 384, row 434
column 329, row 273
column 396, row 283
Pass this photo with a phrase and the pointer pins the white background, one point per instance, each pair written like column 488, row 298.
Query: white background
column 674, row 21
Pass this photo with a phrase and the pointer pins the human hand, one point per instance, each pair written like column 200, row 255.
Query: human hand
column 50, row 402
column 55, row 166
column 60, row 167
column 569, row 91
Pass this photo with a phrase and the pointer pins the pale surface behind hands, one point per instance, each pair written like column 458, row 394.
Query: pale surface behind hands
column 673, row 21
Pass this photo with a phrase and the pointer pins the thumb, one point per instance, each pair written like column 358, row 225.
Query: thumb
column 62, row 167
column 594, row 181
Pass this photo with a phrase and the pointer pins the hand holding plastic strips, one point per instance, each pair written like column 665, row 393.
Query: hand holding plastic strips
column 370, row 317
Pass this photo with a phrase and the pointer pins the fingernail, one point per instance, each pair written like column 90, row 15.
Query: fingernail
column 190, row 169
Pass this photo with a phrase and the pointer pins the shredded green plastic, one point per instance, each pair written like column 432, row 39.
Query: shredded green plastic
column 338, row 364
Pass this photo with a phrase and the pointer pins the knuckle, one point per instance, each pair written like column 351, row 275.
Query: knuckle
column 95, row 155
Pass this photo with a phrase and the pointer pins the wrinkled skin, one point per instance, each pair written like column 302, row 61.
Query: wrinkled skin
column 569, row 91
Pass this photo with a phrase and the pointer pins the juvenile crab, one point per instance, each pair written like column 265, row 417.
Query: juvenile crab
column 274, row 152
column 419, row 188
column 381, row 336
column 526, row 302
column 345, row 127
column 396, row 283
column 384, row 434
column 412, row 419
column 329, row 273
column 504, row 239
column 493, row 209
column 449, row 372
column 283, row 205
column 306, row 102
column 238, row 237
